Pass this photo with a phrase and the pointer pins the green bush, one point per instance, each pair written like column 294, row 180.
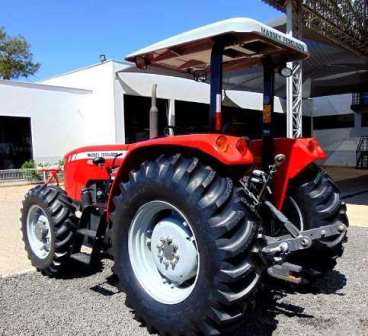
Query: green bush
column 30, row 164
column 29, row 172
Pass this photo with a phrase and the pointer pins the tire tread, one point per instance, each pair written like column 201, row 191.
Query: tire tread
column 63, row 221
column 231, row 225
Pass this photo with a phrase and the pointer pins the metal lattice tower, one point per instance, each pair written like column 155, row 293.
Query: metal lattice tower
column 342, row 22
column 294, row 94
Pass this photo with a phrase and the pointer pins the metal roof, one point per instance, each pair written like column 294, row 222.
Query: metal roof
column 329, row 70
column 343, row 22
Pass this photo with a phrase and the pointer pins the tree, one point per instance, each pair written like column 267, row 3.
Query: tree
column 16, row 59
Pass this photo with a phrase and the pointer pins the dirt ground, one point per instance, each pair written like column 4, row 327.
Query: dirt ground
column 13, row 258
column 353, row 184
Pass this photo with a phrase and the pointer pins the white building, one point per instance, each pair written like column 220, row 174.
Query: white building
column 101, row 104
column 93, row 105
column 338, row 128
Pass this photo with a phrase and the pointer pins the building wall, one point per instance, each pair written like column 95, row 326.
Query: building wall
column 98, row 126
column 110, row 81
column 55, row 113
column 86, row 106
column 170, row 87
column 340, row 143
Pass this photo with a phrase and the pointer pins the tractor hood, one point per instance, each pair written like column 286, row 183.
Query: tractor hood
column 247, row 42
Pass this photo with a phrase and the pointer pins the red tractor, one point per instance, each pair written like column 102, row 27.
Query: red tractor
column 194, row 222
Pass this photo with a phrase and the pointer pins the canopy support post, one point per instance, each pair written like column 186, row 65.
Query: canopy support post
column 171, row 117
column 215, row 121
column 268, row 108
column 294, row 83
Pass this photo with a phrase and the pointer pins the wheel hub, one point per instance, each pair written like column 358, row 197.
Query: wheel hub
column 163, row 252
column 168, row 252
column 175, row 255
column 38, row 231
column 41, row 230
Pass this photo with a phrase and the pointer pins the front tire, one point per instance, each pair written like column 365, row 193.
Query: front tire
column 219, row 285
column 314, row 201
column 48, row 223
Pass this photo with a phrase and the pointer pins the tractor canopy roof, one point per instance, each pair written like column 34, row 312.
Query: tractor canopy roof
column 246, row 43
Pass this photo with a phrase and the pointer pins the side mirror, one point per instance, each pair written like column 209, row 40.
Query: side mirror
column 98, row 161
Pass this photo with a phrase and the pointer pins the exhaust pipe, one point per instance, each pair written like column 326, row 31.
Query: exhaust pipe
column 153, row 114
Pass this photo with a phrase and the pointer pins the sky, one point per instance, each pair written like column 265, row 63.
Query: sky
column 69, row 34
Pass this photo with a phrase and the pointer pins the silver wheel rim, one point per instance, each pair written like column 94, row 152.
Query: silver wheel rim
column 163, row 252
column 299, row 213
column 39, row 231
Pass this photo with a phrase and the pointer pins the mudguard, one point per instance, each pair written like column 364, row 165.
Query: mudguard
column 300, row 153
column 228, row 150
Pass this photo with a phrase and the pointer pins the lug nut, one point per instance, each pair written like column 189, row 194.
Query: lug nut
column 284, row 247
column 341, row 228
column 305, row 242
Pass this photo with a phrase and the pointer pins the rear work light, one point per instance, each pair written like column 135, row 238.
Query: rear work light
column 222, row 143
column 312, row 144
column 241, row 146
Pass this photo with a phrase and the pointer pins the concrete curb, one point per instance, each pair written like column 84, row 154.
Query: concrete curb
column 15, row 274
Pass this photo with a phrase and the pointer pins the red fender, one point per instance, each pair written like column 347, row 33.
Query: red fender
column 226, row 149
column 300, row 153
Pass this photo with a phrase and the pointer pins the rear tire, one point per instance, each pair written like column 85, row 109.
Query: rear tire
column 319, row 202
column 48, row 223
column 224, row 231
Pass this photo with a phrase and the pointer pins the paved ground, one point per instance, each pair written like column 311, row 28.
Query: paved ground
column 32, row 304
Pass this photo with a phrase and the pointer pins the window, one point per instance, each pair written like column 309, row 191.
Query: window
column 333, row 121
column 191, row 117
column 136, row 112
column 307, row 127
column 15, row 141
column 249, row 123
column 242, row 122
column 194, row 118
column 364, row 119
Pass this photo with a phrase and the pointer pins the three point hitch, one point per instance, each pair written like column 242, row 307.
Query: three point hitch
column 275, row 250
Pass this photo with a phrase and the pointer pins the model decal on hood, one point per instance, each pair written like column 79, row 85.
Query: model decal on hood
column 92, row 155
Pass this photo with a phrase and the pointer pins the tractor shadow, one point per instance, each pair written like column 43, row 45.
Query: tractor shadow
column 77, row 270
column 109, row 287
column 271, row 303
